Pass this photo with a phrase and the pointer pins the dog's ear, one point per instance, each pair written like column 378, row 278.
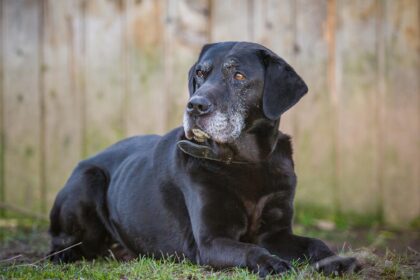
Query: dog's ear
column 283, row 87
column 191, row 80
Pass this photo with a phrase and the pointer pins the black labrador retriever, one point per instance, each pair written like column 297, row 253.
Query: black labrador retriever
column 218, row 191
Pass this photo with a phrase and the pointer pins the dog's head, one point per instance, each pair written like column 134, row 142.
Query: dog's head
column 234, row 87
column 238, row 91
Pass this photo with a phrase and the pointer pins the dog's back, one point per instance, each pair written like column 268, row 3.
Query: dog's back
column 112, row 157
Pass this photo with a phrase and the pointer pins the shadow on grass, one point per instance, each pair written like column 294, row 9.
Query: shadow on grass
column 383, row 253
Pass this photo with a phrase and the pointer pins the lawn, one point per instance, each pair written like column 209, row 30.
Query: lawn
column 384, row 254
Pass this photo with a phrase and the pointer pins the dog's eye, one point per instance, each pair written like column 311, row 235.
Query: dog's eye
column 199, row 73
column 239, row 76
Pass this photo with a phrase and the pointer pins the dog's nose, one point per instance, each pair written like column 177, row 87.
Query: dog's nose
column 198, row 106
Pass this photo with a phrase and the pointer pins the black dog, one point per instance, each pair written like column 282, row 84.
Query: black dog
column 218, row 191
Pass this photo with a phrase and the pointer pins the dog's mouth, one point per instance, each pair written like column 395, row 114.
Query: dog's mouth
column 217, row 127
column 198, row 135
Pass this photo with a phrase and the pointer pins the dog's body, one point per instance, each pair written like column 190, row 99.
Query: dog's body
column 218, row 191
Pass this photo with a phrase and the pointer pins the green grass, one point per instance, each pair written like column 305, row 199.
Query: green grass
column 388, row 267
column 143, row 268
column 24, row 245
column 308, row 215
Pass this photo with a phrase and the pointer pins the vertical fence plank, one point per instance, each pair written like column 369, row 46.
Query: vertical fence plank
column 357, row 87
column 402, row 112
column 21, row 103
column 171, row 14
column 42, row 112
column 232, row 20
column 186, row 30
column 2, row 128
column 275, row 28
column 314, row 119
column 104, row 74
column 379, row 106
column 111, row 68
column 146, row 73
column 62, row 96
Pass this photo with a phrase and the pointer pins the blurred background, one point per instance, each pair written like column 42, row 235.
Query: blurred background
column 77, row 76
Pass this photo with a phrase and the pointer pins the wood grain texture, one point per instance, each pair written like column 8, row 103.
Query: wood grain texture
column 146, row 110
column 2, row 129
column 357, row 89
column 22, row 103
column 77, row 76
column 61, row 78
column 312, row 128
column 104, row 74
column 279, row 18
column 232, row 20
column 275, row 26
column 186, row 31
column 402, row 112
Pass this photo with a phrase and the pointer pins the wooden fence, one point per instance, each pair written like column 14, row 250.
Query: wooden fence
column 78, row 75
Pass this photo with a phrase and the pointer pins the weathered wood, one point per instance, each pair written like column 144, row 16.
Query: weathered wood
column 22, row 103
column 146, row 110
column 401, row 134
column 171, row 13
column 61, row 80
column 275, row 26
column 313, row 128
column 104, row 74
column 279, row 18
column 42, row 113
column 186, row 30
column 356, row 89
column 76, row 76
column 2, row 129
column 232, row 20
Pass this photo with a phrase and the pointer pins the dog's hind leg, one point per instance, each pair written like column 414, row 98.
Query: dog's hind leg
column 77, row 227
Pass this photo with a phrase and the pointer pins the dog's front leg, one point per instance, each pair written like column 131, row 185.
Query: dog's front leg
column 225, row 252
column 218, row 223
column 292, row 247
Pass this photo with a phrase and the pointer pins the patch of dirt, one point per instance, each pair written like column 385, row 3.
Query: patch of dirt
column 378, row 240
column 23, row 244
column 382, row 241
column 384, row 254
column 389, row 266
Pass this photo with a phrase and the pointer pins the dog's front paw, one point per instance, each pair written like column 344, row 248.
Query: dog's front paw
column 268, row 264
column 336, row 265
column 66, row 256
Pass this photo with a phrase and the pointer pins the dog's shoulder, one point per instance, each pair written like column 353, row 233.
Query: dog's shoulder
column 284, row 144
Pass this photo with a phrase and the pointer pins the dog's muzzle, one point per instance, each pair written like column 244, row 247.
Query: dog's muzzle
column 198, row 106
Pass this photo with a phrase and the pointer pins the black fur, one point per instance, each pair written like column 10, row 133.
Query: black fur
column 283, row 86
column 234, row 208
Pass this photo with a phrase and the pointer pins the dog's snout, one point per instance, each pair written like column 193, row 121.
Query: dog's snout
column 199, row 105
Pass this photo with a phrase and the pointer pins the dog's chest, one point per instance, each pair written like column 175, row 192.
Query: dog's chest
column 264, row 195
column 266, row 198
column 258, row 211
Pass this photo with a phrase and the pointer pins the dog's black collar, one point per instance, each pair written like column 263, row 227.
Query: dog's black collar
column 205, row 152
